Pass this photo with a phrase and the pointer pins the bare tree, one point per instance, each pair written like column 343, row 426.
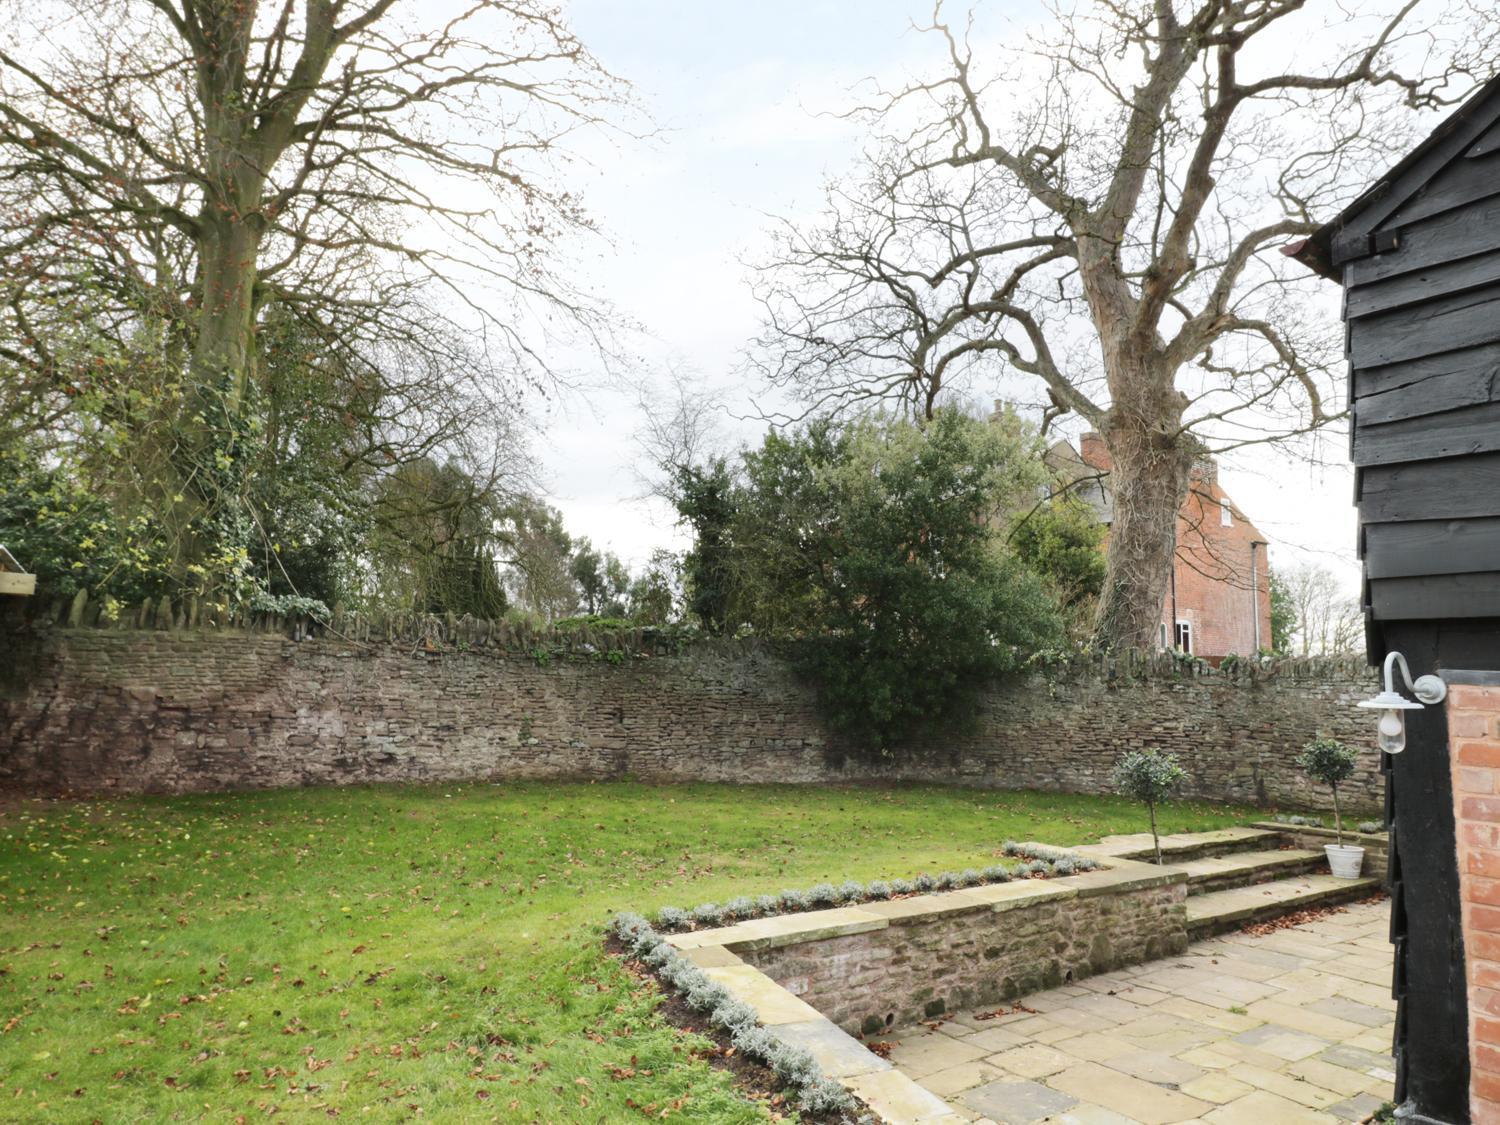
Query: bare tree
column 1099, row 213
column 382, row 172
column 681, row 428
column 1328, row 620
column 538, row 559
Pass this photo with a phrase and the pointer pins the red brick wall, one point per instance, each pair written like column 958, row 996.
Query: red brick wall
column 1474, row 746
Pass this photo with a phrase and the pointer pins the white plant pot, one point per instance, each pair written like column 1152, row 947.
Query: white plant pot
column 1344, row 861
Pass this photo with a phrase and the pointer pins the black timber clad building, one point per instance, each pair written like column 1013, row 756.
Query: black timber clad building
column 1418, row 256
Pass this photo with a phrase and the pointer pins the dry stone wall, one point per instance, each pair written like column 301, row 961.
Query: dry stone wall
column 179, row 708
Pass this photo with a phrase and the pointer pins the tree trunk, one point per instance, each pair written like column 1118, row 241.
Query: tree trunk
column 223, row 354
column 221, row 370
column 1151, row 455
column 1152, row 464
column 1338, row 821
column 230, row 226
column 1155, row 837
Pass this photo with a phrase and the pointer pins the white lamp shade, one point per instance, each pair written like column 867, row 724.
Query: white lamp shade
column 1390, row 701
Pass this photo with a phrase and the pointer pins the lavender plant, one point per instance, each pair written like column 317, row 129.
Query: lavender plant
column 794, row 1065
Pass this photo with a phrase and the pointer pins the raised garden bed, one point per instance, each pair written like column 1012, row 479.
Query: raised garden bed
column 816, row 979
column 1035, row 861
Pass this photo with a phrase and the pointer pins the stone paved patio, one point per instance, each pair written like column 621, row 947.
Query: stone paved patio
column 1287, row 1028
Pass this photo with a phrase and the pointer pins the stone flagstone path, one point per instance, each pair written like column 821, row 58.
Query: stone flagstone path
column 1290, row 1028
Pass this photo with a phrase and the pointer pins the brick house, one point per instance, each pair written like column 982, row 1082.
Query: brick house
column 1219, row 595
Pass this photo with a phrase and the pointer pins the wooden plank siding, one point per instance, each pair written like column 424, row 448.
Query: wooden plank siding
column 1434, row 242
column 1418, row 255
column 1453, row 433
column 1488, row 143
column 1349, row 238
column 1427, row 283
column 1423, row 319
column 1461, row 182
column 1436, row 597
column 1452, row 488
column 1427, row 386
column 1401, row 550
column 1459, row 320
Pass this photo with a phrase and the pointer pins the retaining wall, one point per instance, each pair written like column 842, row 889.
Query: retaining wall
column 948, row 952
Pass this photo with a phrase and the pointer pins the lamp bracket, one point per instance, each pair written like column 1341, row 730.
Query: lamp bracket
column 1429, row 689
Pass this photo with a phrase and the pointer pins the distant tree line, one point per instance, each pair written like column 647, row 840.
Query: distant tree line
column 1312, row 614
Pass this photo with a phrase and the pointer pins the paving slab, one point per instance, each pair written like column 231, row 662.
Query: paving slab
column 1282, row 1042
column 1218, row 1087
column 996, row 1039
column 1031, row 1060
column 1264, row 1108
column 1210, row 1015
column 1330, row 1076
column 1143, row 1101
column 1249, row 866
column 1287, row 1086
column 1017, row 1102
column 1356, row 1109
column 1156, row 1066
column 957, row 1079
column 1088, row 1114
column 895, row 1097
column 712, row 957
column 1287, row 1011
column 1141, row 844
column 838, row 1053
column 772, row 1003
column 1096, row 1046
column 1360, row 1059
column 919, row 1055
column 1220, row 909
column 1286, row 1042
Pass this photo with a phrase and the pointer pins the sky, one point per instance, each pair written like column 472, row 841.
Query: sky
column 741, row 96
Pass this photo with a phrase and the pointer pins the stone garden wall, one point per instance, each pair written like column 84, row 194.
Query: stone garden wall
column 174, row 703
column 879, row 965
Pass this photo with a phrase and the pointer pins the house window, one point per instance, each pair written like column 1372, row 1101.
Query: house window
column 1226, row 517
column 1163, row 628
column 1184, row 636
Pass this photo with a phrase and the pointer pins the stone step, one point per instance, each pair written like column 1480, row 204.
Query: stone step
column 1217, row 911
column 1180, row 847
column 1241, row 869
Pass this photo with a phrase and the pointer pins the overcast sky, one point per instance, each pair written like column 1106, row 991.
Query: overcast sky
column 741, row 94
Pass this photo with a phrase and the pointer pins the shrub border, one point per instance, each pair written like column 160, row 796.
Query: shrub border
column 794, row 1065
column 1042, row 862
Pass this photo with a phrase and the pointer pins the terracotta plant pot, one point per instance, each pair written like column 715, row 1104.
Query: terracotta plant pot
column 1344, row 861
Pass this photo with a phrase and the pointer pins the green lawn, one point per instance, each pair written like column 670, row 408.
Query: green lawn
column 389, row 952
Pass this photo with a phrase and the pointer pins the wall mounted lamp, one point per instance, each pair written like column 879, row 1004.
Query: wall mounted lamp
column 1391, row 732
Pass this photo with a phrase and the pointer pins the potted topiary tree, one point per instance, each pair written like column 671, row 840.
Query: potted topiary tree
column 1149, row 776
column 1330, row 761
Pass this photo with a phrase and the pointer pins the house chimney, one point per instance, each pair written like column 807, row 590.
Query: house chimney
column 1206, row 469
column 1095, row 454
